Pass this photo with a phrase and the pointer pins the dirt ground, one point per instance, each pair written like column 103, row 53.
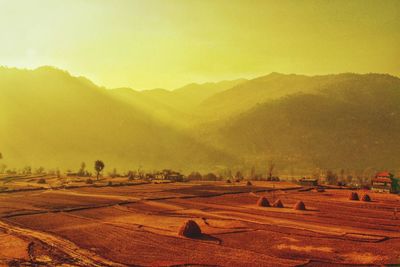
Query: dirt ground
column 138, row 224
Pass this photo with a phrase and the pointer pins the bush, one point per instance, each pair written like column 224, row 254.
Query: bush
column 41, row 181
column 194, row 176
column 89, row 181
column 210, row 177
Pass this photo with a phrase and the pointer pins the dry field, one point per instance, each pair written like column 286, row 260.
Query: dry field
column 137, row 225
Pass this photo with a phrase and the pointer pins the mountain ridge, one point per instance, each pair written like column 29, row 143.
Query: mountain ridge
column 299, row 121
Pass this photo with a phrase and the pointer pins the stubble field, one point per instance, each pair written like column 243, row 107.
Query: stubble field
column 137, row 225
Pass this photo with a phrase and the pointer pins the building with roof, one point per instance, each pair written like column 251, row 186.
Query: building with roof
column 385, row 182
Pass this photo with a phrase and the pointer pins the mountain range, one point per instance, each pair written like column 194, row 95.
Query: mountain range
column 341, row 121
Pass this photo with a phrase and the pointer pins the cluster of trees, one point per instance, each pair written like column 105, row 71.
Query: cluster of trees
column 328, row 176
column 27, row 170
column 348, row 177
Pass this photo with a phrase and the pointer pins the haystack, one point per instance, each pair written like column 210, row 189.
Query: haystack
column 263, row 202
column 366, row 198
column 354, row 196
column 300, row 206
column 278, row 204
column 190, row 229
column 249, row 183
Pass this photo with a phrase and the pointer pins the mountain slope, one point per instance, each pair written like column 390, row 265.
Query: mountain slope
column 246, row 95
column 51, row 118
column 173, row 107
column 347, row 121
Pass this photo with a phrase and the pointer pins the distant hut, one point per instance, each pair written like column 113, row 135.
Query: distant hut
column 385, row 182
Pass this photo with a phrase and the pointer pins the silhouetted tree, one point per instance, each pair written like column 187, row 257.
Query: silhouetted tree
column 210, row 177
column 331, row 177
column 3, row 167
column 271, row 166
column 253, row 173
column 40, row 170
column 81, row 171
column 98, row 166
column 27, row 170
column 238, row 176
column 114, row 173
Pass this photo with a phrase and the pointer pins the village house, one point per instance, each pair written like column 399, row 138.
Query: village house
column 385, row 182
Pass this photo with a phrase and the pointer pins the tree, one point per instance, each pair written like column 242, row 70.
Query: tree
column 238, row 176
column 40, row 170
column 27, row 170
column 253, row 173
column 98, row 166
column 210, row 177
column 114, row 173
column 81, row 171
column 271, row 166
column 331, row 177
column 194, row 176
column 2, row 166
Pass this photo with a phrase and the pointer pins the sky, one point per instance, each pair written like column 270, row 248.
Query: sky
column 168, row 43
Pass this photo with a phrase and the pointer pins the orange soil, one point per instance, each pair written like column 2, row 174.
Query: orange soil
column 132, row 226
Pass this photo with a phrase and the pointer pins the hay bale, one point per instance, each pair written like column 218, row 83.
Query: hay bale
column 190, row 229
column 249, row 183
column 354, row 196
column 366, row 198
column 263, row 202
column 278, row 204
column 300, row 206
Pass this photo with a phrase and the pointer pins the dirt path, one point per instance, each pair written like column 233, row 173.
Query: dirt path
column 81, row 256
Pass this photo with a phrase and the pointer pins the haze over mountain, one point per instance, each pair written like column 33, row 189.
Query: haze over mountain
column 333, row 121
column 174, row 107
column 51, row 118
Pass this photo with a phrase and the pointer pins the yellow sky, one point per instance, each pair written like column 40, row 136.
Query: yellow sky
column 168, row 43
